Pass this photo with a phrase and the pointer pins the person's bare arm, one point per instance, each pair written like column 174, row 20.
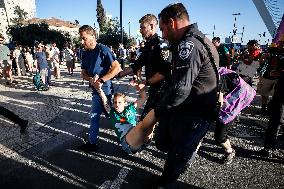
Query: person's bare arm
column 102, row 95
column 104, row 99
column 114, row 70
column 143, row 96
column 157, row 77
column 125, row 72
column 87, row 77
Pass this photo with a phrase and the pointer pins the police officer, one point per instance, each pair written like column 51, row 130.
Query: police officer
column 189, row 100
column 153, row 58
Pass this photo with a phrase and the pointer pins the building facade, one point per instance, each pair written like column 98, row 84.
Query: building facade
column 7, row 8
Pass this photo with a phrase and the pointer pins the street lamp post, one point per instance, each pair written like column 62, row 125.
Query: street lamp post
column 129, row 29
column 121, row 29
column 235, row 28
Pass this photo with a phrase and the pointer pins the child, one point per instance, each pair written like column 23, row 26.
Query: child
column 123, row 117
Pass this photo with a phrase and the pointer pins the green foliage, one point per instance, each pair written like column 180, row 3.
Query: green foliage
column 21, row 15
column 27, row 35
column 110, row 35
column 101, row 17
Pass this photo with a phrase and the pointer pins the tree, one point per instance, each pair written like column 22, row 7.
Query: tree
column 21, row 15
column 101, row 17
column 110, row 34
column 27, row 35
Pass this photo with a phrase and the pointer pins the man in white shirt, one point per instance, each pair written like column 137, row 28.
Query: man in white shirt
column 54, row 55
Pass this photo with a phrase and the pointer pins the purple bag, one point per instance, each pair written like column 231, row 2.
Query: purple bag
column 234, row 102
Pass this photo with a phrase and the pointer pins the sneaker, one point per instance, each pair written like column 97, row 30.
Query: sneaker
column 14, row 81
column 265, row 152
column 23, row 125
column 8, row 83
column 228, row 157
column 88, row 147
column 44, row 88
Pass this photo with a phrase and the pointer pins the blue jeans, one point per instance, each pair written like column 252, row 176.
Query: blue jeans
column 97, row 109
column 48, row 81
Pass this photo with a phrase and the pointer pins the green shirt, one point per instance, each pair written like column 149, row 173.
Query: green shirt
column 4, row 52
column 124, row 121
column 223, row 59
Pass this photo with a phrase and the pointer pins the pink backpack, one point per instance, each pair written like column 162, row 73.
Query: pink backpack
column 236, row 100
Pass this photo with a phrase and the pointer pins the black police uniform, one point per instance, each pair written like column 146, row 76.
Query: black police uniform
column 188, row 103
column 154, row 61
column 276, row 108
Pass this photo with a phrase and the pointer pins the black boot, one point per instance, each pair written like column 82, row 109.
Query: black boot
column 23, row 124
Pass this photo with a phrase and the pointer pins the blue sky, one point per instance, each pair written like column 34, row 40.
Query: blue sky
column 206, row 13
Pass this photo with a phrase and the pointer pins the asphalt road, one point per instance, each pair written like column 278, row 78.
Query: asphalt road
column 51, row 160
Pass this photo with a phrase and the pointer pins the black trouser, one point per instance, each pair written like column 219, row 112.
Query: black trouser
column 179, row 135
column 276, row 119
column 221, row 132
column 11, row 115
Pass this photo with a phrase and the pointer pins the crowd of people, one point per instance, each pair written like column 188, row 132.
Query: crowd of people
column 182, row 82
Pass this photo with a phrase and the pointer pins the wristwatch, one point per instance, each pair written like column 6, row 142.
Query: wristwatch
column 101, row 80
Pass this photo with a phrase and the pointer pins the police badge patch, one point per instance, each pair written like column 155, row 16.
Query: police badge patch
column 184, row 49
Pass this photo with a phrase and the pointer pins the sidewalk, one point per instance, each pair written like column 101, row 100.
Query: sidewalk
column 46, row 156
column 39, row 107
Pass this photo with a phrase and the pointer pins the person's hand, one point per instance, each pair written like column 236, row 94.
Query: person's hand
column 118, row 77
column 94, row 82
column 139, row 85
column 133, row 83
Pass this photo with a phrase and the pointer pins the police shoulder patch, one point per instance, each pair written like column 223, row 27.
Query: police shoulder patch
column 184, row 49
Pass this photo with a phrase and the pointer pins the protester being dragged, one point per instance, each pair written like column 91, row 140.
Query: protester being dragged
column 133, row 137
